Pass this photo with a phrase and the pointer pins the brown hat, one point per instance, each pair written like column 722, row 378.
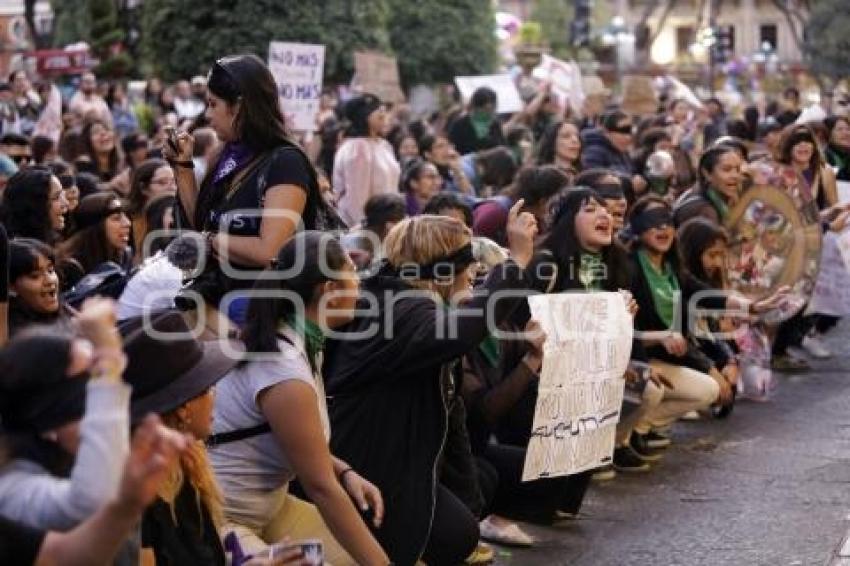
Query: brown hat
column 166, row 365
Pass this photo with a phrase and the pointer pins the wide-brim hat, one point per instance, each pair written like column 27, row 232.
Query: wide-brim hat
column 167, row 366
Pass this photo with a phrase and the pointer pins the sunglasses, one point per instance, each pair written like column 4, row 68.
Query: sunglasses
column 21, row 158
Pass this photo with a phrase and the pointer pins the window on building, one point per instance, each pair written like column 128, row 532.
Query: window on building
column 684, row 39
column 769, row 34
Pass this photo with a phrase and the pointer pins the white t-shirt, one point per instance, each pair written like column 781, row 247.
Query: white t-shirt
column 249, row 470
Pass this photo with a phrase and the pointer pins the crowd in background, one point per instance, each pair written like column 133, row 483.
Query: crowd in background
column 346, row 384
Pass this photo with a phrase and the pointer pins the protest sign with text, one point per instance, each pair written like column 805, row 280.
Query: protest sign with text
column 297, row 69
column 507, row 95
column 587, row 348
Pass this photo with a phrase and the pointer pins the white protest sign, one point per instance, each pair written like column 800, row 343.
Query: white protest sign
column 831, row 294
column 843, row 191
column 587, row 349
column 683, row 91
column 565, row 78
column 508, row 97
column 297, row 69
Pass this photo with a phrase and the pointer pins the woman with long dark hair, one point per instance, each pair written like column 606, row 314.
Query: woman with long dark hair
column 271, row 419
column 101, row 155
column 33, row 285
column 103, row 234
column 34, row 205
column 149, row 180
column 561, row 146
column 420, row 182
column 838, row 148
column 261, row 188
column 719, row 177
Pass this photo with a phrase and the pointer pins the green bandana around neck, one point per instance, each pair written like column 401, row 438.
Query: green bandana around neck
column 491, row 349
column 314, row 337
column 664, row 287
column 480, row 123
column 718, row 203
column 591, row 271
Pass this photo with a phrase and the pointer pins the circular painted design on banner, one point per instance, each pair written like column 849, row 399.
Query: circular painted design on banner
column 774, row 242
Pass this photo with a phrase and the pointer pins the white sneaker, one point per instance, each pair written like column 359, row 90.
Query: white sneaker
column 814, row 347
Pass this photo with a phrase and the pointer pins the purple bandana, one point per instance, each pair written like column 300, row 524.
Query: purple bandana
column 233, row 157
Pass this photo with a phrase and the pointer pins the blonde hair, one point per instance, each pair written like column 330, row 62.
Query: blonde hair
column 422, row 240
column 193, row 465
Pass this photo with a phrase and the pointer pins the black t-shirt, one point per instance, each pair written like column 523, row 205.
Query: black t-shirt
column 241, row 214
column 192, row 540
column 19, row 544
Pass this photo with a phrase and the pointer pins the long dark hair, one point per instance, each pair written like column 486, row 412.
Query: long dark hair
column 89, row 246
column 140, row 182
column 23, row 260
column 708, row 161
column 694, row 237
column 309, row 254
column 88, row 149
column 549, row 141
column 154, row 211
column 794, row 134
column 26, row 203
column 562, row 242
column 259, row 124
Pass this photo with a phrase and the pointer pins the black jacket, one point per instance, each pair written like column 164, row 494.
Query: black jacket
column 462, row 135
column 597, row 151
column 390, row 393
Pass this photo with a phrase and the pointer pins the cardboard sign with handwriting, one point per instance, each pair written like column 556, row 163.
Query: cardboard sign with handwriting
column 297, row 69
column 377, row 74
column 587, row 349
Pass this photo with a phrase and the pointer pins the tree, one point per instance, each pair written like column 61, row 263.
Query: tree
column 106, row 39
column 435, row 40
column 555, row 17
column 71, row 22
column 181, row 38
column 827, row 45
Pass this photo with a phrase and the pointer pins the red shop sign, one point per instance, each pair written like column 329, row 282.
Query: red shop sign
column 61, row 62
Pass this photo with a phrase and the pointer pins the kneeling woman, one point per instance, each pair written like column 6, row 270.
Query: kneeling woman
column 662, row 292
column 391, row 375
column 270, row 421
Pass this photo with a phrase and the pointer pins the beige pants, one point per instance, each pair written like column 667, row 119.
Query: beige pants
column 650, row 400
column 296, row 520
column 692, row 391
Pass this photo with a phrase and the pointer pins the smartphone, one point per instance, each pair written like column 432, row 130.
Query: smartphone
column 171, row 138
column 312, row 551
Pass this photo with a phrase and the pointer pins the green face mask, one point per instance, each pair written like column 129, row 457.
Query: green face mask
column 659, row 185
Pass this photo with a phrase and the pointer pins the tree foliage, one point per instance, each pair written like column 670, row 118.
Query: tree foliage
column 827, row 44
column 435, row 40
column 555, row 17
column 107, row 37
column 71, row 22
column 184, row 37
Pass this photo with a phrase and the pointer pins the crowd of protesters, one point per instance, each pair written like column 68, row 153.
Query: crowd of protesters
column 224, row 343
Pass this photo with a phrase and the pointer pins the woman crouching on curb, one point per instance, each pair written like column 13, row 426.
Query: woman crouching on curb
column 391, row 375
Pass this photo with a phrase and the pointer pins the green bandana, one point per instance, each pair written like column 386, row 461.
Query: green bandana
column 314, row 337
column 591, row 271
column 664, row 287
column 480, row 123
column 491, row 349
column 718, row 203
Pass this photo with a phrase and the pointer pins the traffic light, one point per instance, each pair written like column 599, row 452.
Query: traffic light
column 580, row 26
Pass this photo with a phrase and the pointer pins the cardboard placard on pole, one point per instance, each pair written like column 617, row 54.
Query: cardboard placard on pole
column 377, row 74
column 639, row 95
column 297, row 69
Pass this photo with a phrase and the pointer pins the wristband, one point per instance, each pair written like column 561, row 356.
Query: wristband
column 185, row 164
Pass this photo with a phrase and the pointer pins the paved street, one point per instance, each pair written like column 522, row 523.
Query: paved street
column 769, row 486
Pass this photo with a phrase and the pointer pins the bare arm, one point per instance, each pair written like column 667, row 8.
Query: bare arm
column 282, row 211
column 292, row 411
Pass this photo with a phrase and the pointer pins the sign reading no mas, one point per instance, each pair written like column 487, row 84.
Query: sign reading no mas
column 297, row 69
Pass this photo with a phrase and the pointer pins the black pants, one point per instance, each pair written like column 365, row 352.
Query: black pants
column 791, row 333
column 454, row 531
column 825, row 322
column 500, row 476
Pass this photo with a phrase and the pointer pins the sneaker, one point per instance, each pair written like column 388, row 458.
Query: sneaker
column 638, row 443
column 655, row 439
column 690, row 416
column 607, row 473
column 569, row 516
column 814, row 347
column 788, row 363
column 502, row 531
column 625, row 460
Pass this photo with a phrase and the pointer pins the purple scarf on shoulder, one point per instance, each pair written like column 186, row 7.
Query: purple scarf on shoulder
column 234, row 157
